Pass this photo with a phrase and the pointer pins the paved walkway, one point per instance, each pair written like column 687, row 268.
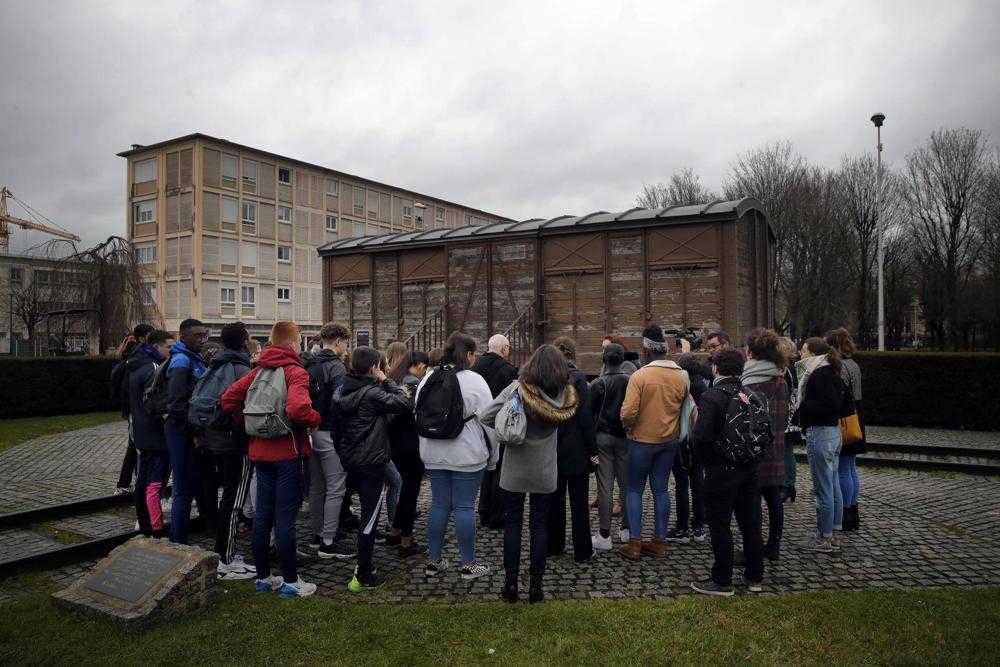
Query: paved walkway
column 918, row 530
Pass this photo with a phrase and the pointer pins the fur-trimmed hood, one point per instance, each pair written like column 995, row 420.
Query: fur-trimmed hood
column 553, row 410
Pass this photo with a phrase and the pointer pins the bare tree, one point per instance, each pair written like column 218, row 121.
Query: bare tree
column 771, row 173
column 990, row 259
column 862, row 205
column 29, row 304
column 945, row 178
column 683, row 189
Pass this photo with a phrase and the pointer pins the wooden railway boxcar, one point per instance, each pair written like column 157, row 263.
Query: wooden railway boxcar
column 705, row 267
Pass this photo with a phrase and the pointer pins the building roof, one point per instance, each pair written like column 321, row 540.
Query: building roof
column 596, row 221
column 284, row 158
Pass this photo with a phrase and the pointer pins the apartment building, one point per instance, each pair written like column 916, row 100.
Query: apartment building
column 228, row 232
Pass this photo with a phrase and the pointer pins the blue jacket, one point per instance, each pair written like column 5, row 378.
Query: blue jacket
column 185, row 369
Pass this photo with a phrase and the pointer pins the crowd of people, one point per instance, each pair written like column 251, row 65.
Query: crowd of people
column 249, row 433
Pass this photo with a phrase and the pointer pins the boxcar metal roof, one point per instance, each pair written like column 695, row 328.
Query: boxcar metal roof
column 595, row 221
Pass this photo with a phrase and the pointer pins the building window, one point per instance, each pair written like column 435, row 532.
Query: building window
column 16, row 276
column 145, row 254
column 250, row 173
column 359, row 229
column 439, row 213
column 407, row 209
column 228, row 296
column 285, row 175
column 248, row 257
column 229, row 169
column 359, row 201
column 331, row 223
column 331, row 187
column 229, row 210
column 145, row 171
column 468, row 219
column 149, row 294
column 285, row 214
column 247, row 296
column 284, row 294
column 372, row 204
column 228, row 256
column 511, row 253
column 249, row 217
column 144, row 211
column 285, row 254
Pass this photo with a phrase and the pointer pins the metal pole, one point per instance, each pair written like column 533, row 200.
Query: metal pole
column 881, row 241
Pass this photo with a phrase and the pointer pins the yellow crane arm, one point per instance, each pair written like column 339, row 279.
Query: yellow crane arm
column 27, row 224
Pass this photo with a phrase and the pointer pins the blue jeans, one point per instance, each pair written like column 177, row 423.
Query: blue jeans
column 653, row 462
column 823, row 447
column 394, row 482
column 185, row 465
column 850, row 485
column 453, row 492
column 279, row 495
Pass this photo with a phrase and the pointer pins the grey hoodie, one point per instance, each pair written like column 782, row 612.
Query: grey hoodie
column 531, row 467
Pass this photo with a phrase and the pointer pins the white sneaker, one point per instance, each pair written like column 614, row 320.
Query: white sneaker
column 269, row 584
column 601, row 543
column 474, row 571
column 236, row 569
column 299, row 589
column 623, row 535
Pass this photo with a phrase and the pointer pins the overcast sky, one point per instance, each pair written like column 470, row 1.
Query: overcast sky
column 525, row 109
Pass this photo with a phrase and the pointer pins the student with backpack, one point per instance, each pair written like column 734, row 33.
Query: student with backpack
column 455, row 451
column 328, row 477
column 729, row 438
column 223, row 444
column 147, row 431
column 120, row 394
column 361, row 408
column 273, row 400
column 182, row 373
column 607, row 393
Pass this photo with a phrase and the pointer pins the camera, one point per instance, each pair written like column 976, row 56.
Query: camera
column 687, row 334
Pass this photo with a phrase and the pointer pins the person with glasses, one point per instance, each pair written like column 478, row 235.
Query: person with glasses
column 715, row 342
column 184, row 370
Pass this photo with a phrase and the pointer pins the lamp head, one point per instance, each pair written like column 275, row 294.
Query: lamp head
column 878, row 119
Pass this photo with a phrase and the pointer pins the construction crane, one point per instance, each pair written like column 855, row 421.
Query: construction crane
column 6, row 219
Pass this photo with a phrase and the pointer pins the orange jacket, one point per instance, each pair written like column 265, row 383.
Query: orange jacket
column 653, row 399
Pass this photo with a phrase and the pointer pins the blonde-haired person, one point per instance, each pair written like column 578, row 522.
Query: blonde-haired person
column 793, row 434
column 850, row 485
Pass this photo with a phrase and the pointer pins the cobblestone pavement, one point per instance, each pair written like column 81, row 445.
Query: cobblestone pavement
column 932, row 437
column 917, row 530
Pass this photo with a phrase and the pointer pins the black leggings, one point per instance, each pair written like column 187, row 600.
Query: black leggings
column 775, row 512
column 371, row 484
column 411, row 469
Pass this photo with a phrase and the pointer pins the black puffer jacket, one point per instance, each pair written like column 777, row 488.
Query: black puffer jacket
column 403, row 429
column 361, row 407
column 577, row 438
column 607, row 393
column 826, row 399
column 326, row 373
column 147, row 430
column 497, row 371
column 708, row 429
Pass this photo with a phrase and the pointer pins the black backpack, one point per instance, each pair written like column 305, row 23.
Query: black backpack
column 440, row 410
column 746, row 428
column 154, row 396
column 205, row 407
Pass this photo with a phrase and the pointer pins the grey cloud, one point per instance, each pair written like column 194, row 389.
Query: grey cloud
column 525, row 109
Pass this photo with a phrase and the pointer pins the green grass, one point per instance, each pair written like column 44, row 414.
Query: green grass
column 931, row 626
column 15, row 431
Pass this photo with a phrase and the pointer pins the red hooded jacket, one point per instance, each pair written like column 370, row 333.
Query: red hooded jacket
column 298, row 406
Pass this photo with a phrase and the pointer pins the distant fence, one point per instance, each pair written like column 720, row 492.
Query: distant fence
column 38, row 386
column 931, row 389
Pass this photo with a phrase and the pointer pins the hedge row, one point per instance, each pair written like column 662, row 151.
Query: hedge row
column 931, row 389
column 40, row 386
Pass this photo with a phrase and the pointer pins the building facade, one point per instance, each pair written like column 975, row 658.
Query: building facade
column 227, row 232
column 32, row 290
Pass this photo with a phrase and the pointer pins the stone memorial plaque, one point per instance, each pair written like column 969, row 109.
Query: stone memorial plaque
column 145, row 580
column 133, row 574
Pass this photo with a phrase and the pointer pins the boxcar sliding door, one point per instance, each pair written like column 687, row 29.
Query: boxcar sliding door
column 573, row 268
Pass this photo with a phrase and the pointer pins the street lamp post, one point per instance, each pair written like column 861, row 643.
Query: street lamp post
column 878, row 119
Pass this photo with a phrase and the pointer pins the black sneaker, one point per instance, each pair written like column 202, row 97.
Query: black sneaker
column 413, row 550
column 699, row 535
column 356, row 585
column 316, row 542
column 709, row 587
column 754, row 586
column 678, row 535
column 338, row 550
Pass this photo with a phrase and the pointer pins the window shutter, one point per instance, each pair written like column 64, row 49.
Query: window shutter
column 210, row 211
column 185, row 216
column 265, row 221
column 184, row 256
column 211, row 167
column 266, row 180
column 210, row 254
column 173, row 171
column 186, row 168
column 210, row 296
column 173, row 211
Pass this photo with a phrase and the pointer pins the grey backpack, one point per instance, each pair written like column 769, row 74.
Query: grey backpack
column 264, row 410
column 511, row 424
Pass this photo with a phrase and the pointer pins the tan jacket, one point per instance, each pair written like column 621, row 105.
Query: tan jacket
column 652, row 407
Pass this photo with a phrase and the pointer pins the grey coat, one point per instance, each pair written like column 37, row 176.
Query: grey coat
column 533, row 466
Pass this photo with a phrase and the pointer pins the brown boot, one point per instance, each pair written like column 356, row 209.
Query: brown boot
column 616, row 509
column 632, row 550
column 658, row 549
